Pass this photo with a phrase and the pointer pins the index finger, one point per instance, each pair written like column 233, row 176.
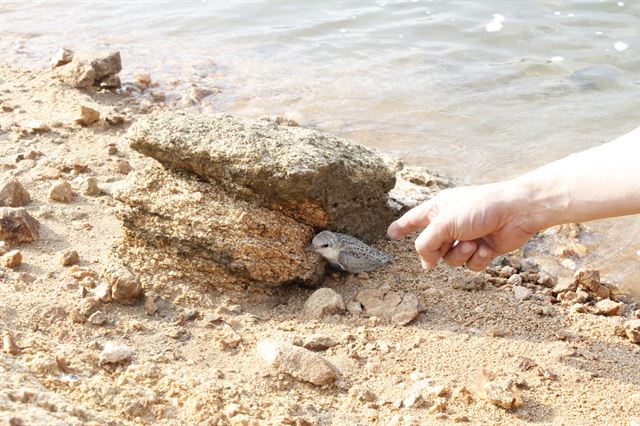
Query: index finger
column 416, row 218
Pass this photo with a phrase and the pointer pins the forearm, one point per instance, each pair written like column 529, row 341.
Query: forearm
column 597, row 183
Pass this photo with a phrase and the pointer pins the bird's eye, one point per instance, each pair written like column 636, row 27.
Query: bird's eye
column 325, row 245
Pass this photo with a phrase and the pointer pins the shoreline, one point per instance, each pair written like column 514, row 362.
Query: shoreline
column 194, row 358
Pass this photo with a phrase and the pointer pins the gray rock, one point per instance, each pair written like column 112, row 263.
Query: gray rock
column 354, row 308
column 515, row 280
column 320, row 180
column 104, row 64
column 414, row 185
column 98, row 318
column 17, row 226
column 298, row 362
column 521, row 293
column 323, row 302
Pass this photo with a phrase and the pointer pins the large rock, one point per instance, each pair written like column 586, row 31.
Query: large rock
column 319, row 180
column 17, row 226
column 174, row 221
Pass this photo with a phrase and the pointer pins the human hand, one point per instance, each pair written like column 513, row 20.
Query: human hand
column 468, row 225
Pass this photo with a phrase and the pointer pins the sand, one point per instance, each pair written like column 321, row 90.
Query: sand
column 194, row 361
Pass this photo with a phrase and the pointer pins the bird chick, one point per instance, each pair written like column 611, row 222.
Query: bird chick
column 347, row 253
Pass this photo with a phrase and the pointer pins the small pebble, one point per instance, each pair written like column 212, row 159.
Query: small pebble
column 11, row 259
column 515, row 280
column 90, row 187
column 114, row 353
column 98, row 318
column 69, row 258
column 323, row 302
column 521, row 293
column 61, row 192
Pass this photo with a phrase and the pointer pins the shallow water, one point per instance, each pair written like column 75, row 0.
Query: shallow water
column 481, row 90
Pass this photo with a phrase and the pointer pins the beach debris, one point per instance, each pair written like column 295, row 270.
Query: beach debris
column 142, row 79
column 150, row 305
column 472, row 282
column 587, row 278
column 76, row 317
column 123, row 166
column 323, row 302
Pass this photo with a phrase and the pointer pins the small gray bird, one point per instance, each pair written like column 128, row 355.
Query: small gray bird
column 347, row 253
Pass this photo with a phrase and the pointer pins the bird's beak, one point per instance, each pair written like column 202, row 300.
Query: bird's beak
column 310, row 248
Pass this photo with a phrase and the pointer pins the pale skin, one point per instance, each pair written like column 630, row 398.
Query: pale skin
column 471, row 225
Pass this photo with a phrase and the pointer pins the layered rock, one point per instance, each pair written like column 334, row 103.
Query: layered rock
column 319, row 180
column 236, row 201
column 174, row 221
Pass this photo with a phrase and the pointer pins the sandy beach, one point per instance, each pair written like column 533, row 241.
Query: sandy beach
column 474, row 348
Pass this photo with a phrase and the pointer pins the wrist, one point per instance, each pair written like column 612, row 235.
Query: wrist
column 542, row 200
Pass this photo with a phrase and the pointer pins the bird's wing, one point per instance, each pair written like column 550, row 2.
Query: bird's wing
column 350, row 261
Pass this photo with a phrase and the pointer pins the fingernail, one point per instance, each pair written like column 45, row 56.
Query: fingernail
column 391, row 231
column 424, row 264
column 467, row 248
column 484, row 252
